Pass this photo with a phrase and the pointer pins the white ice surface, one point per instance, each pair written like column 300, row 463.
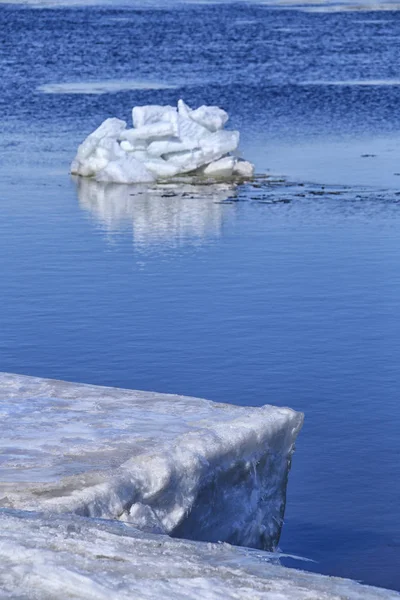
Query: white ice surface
column 220, row 168
column 158, row 463
column 65, row 556
column 165, row 140
column 165, row 463
column 103, row 87
column 312, row 5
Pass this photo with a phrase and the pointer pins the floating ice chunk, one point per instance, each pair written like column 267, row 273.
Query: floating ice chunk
column 211, row 117
column 66, row 556
column 127, row 169
column 188, row 162
column 213, row 147
column 204, row 470
column 150, row 132
column 220, row 168
column 244, row 169
column 110, row 128
column 127, row 146
column 183, row 109
column 220, row 143
column 171, row 146
column 190, row 130
column 107, row 150
column 146, row 115
column 89, row 160
column 161, row 169
column 90, row 167
column 165, row 140
column 128, row 135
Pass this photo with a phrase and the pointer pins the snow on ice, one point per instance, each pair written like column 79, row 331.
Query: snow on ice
column 66, row 556
column 92, row 478
column 171, row 464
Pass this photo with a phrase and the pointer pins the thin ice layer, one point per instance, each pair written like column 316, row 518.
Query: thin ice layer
column 166, row 463
column 66, row 556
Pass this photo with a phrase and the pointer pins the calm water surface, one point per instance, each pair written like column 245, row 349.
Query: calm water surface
column 287, row 292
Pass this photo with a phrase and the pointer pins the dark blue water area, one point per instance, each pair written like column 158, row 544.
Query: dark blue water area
column 284, row 292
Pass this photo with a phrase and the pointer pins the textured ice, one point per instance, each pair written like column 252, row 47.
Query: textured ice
column 172, row 464
column 65, row 556
column 166, row 141
column 91, row 479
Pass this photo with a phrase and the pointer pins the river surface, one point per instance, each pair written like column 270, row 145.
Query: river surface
column 286, row 291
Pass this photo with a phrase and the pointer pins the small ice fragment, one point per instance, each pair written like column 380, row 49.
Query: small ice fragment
column 160, row 168
column 243, row 168
column 220, row 168
column 150, row 132
column 188, row 127
column 125, row 170
column 146, row 115
column 211, row 117
column 183, row 109
column 190, row 130
column 127, row 146
column 129, row 135
column 110, row 128
column 170, row 146
column 220, row 143
column 189, row 161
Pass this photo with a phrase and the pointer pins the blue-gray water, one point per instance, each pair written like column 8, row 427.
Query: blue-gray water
column 288, row 293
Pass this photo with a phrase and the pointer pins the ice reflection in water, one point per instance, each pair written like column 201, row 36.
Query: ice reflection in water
column 169, row 213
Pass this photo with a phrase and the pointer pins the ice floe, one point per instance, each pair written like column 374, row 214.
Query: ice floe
column 171, row 464
column 164, row 142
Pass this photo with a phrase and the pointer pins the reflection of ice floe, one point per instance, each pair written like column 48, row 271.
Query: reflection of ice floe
column 158, row 213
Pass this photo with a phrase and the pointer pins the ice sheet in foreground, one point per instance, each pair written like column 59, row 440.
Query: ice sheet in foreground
column 178, row 465
column 164, row 142
column 66, row 556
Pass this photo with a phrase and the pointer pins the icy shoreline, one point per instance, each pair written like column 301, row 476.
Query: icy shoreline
column 170, row 464
column 66, row 556
column 146, row 464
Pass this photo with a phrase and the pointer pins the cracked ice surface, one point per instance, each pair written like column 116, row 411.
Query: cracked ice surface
column 164, row 142
column 66, row 556
column 164, row 463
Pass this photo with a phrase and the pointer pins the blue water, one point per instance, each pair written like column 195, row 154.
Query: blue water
column 288, row 292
